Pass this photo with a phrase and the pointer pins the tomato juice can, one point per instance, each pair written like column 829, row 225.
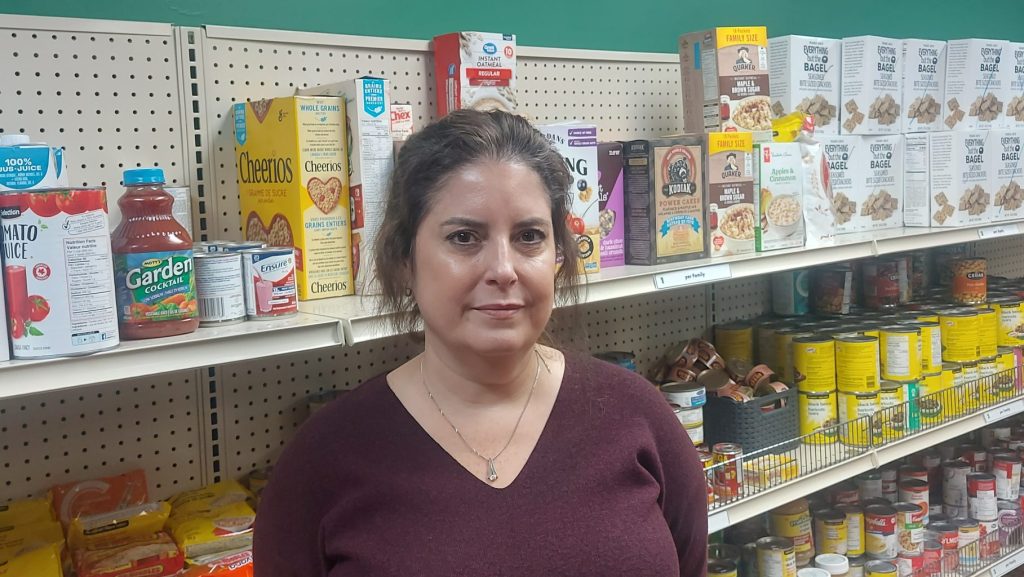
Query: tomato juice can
column 270, row 290
column 728, row 460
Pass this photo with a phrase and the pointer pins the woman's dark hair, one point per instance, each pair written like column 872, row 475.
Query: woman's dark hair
column 423, row 165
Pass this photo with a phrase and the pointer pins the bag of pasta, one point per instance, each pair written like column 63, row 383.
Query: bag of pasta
column 124, row 525
column 39, row 562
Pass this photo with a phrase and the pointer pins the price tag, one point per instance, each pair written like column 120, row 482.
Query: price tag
column 1001, row 230
column 718, row 521
column 1009, row 564
column 1004, row 411
column 691, row 276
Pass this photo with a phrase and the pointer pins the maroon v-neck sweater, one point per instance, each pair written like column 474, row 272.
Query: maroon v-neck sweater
column 613, row 488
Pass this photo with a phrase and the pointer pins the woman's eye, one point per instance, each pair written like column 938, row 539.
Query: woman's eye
column 532, row 236
column 461, row 237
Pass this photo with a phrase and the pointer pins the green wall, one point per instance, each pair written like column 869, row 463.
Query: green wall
column 613, row 25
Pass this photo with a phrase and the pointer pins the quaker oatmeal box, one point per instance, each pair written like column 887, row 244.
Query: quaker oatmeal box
column 924, row 83
column 867, row 181
column 730, row 191
column 611, row 202
column 1006, row 173
column 725, row 81
column 804, row 77
column 959, row 182
column 664, row 185
column 1015, row 108
column 977, row 84
column 871, row 85
column 475, row 70
column 778, row 196
column 577, row 143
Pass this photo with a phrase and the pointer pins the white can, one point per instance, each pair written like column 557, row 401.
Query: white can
column 270, row 290
column 219, row 288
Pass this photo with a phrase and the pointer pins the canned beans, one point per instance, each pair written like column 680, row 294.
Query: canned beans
column 970, row 280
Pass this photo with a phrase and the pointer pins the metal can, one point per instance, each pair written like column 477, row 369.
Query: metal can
column 1006, row 470
column 728, row 459
column 981, row 496
column 1010, row 311
column 725, row 552
column 890, row 482
column 722, row 568
column 975, row 455
column 881, row 284
column 892, row 411
column 970, row 389
column 765, row 333
column 783, row 348
column 735, row 340
column 990, row 388
column 790, row 293
column 910, row 564
column 686, row 395
column 988, row 332
column 954, row 483
column 916, row 491
column 931, row 565
column 947, row 534
column 931, row 344
column 970, row 280
column 219, row 288
column 880, row 532
column 696, row 434
column 856, row 364
column 793, row 521
column 814, row 363
column 900, row 352
column 707, row 462
column 857, row 566
column 689, row 418
column 854, row 528
column 818, row 415
column 843, row 493
column 909, row 527
column 968, row 534
column 869, row 485
column 776, row 557
column 920, row 273
column 931, row 400
column 989, row 539
column 830, row 532
column 959, row 332
column 624, row 359
column 831, row 290
column 855, row 410
column 240, row 246
column 1007, row 376
column 270, row 290
column 880, row 569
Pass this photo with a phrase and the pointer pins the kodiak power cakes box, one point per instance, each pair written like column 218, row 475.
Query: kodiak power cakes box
column 293, row 186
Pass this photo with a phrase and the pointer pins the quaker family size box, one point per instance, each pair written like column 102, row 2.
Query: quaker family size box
column 475, row 70
column 1015, row 108
column 804, row 74
column 924, row 83
column 960, row 189
column 611, row 202
column 866, row 175
column 977, row 83
column 778, row 196
column 725, row 81
column 293, row 186
column 664, row 185
column 1006, row 173
column 577, row 142
column 370, row 161
column 730, row 191
column 871, row 85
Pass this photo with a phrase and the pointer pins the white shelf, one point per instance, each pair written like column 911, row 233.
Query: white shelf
column 206, row 346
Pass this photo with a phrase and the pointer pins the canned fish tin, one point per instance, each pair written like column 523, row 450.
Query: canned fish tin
column 775, row 557
column 968, row 534
column 970, row 280
column 270, row 290
column 853, row 410
column 931, row 398
column 831, row 290
column 219, row 288
column 916, row 491
column 909, row 528
column 880, row 532
column 814, row 362
column 791, row 292
column 819, row 415
column 981, row 496
column 960, row 333
column 1010, row 311
column 728, row 459
column 869, row 485
column 1007, row 471
column 686, row 395
column 880, row 569
column 830, row 532
column 988, row 332
column 722, row 568
column 854, row 528
column 856, row 364
column 900, row 352
column 735, row 341
column 793, row 521
column 881, row 284
column 931, row 345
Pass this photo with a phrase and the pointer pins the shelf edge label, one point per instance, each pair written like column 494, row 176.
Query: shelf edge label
column 718, row 521
column 704, row 274
column 1004, row 411
column 1009, row 564
column 997, row 231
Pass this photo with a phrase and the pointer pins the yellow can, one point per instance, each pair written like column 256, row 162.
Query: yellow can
column 891, row 417
column 1007, row 363
column 931, row 345
column 932, row 399
column 814, row 363
column 735, row 341
column 988, row 332
column 775, row 557
column 969, row 391
column 857, row 364
column 784, row 352
column 900, row 352
column 991, row 387
column 1010, row 311
column 854, row 529
column 927, row 317
column 853, row 410
column 960, row 333
column 793, row 521
column 880, row 569
column 766, row 340
column 819, row 411
column 830, row 532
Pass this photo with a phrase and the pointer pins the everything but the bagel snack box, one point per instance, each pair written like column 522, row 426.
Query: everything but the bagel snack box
column 293, row 186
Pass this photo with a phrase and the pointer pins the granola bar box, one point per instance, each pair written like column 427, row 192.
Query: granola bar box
column 293, row 186
column 730, row 191
column 805, row 77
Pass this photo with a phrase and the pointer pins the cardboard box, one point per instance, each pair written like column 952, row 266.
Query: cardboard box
column 872, row 85
column 664, row 182
column 370, row 161
column 401, row 121
column 612, row 204
column 32, row 167
column 867, row 181
column 1006, row 173
column 730, row 193
column 778, row 196
column 725, row 81
column 293, row 186
column 924, row 83
column 977, row 84
column 959, row 184
column 917, row 203
column 1015, row 107
column 804, row 74
column 475, row 70
column 577, row 142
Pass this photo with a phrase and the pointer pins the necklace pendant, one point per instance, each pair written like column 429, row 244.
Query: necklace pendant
column 492, row 473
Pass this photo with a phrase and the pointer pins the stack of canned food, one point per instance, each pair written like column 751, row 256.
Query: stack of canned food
column 237, row 281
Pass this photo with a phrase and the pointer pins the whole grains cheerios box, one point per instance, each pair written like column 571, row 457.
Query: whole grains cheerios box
column 293, row 186
column 475, row 70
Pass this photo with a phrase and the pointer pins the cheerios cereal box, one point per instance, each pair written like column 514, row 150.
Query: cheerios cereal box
column 293, row 182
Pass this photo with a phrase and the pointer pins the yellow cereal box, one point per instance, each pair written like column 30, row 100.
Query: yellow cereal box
column 293, row 183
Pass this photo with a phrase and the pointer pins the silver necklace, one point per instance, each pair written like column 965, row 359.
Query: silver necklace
column 492, row 472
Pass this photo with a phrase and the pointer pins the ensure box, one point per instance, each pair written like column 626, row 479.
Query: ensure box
column 960, row 187
column 27, row 166
column 778, row 196
column 804, row 74
column 370, row 160
column 725, row 81
column 867, row 181
column 730, row 191
column 1006, row 173
column 475, row 70
column 977, row 83
column 924, row 82
column 917, row 203
column 611, row 202
column 1015, row 108
column 577, row 142
column 872, row 85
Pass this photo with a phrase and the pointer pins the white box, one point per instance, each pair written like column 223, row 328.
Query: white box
column 370, row 160
column 867, row 181
column 475, row 70
column 32, row 167
column 804, row 75
column 1014, row 117
column 959, row 184
column 871, row 85
column 778, row 191
column 1006, row 173
column 977, row 84
column 924, row 83
column 5, row 342
column 577, row 143
column 917, row 202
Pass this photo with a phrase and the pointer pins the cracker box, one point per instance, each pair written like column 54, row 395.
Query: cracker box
column 1015, row 107
column 725, row 81
column 867, row 181
column 475, row 70
column 924, row 83
column 32, row 167
column 612, row 218
column 577, row 142
column 730, row 192
column 1006, row 173
column 917, row 204
column 804, row 76
column 959, row 184
column 977, row 84
column 778, row 196
column 871, row 85
column 370, row 160
column 293, row 183
column 664, row 181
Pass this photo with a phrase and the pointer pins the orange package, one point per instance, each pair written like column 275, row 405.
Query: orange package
column 155, row 556
column 235, row 565
column 96, row 496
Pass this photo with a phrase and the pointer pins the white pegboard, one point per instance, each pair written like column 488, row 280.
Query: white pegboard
column 1005, row 255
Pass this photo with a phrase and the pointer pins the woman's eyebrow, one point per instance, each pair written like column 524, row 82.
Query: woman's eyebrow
column 463, row 221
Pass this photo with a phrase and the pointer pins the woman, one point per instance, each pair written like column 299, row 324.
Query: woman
column 489, row 454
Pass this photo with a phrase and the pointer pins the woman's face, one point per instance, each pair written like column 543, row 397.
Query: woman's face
column 484, row 260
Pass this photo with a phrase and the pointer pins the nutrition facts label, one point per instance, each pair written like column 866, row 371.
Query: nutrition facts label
column 90, row 295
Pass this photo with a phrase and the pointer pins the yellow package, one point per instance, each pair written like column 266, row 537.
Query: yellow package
column 127, row 524
column 770, row 470
column 209, row 498
column 38, row 562
column 787, row 128
column 293, row 186
column 209, row 532
column 26, row 511
column 17, row 538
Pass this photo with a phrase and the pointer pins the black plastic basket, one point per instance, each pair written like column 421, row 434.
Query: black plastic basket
column 727, row 421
